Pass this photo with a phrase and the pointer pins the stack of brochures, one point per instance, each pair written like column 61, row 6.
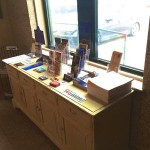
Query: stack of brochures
column 109, row 86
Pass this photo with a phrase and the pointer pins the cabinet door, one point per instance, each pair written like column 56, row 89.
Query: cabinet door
column 76, row 127
column 48, row 101
column 18, row 96
column 76, row 138
column 31, row 101
column 33, row 107
column 50, row 117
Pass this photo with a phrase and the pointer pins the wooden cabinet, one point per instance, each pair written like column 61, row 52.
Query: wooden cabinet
column 76, row 125
column 89, row 125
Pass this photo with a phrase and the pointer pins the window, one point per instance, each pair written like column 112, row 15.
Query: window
column 107, row 24
column 123, row 26
column 63, row 21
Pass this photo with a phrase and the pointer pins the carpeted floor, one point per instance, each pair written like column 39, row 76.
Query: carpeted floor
column 17, row 132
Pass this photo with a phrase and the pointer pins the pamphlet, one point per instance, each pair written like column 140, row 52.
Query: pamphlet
column 115, row 61
column 62, row 45
column 39, row 36
column 75, row 65
column 51, row 62
column 58, row 57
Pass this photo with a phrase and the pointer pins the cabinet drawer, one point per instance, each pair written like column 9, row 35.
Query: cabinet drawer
column 26, row 81
column 74, row 114
column 45, row 93
column 12, row 71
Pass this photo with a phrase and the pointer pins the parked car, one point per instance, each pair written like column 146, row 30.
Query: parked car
column 106, row 32
column 113, row 29
column 114, row 22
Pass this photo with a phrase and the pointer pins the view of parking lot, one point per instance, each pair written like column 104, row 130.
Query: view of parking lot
column 134, row 24
column 122, row 26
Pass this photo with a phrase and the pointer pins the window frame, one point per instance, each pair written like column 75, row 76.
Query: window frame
column 90, row 22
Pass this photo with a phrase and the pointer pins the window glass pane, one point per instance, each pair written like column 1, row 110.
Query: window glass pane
column 123, row 26
column 64, row 20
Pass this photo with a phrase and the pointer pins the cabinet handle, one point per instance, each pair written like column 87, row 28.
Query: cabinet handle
column 21, row 94
column 37, row 108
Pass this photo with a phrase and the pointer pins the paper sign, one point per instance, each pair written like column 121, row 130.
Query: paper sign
column 115, row 61
column 39, row 36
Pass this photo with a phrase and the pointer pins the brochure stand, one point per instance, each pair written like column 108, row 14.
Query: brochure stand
column 80, row 58
column 54, row 63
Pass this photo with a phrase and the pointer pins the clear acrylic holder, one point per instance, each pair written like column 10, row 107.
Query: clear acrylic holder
column 86, row 66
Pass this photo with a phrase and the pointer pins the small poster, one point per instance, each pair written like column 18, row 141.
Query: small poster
column 58, row 57
column 58, row 43
column 115, row 61
column 39, row 36
column 38, row 49
column 62, row 45
column 75, row 65
column 65, row 51
column 51, row 62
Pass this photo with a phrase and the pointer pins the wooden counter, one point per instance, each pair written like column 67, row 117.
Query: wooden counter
column 70, row 124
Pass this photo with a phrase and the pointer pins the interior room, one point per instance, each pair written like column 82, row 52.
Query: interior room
column 18, row 20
